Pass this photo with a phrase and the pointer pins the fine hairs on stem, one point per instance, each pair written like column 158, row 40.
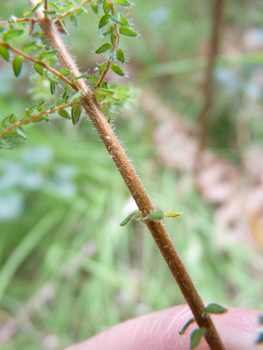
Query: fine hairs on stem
column 132, row 181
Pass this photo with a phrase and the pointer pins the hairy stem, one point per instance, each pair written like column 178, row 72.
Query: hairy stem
column 35, row 116
column 134, row 185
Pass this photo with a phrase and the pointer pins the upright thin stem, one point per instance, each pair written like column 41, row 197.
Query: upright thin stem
column 208, row 87
column 134, row 185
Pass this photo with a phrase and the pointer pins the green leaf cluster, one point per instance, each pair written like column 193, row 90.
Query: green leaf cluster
column 117, row 25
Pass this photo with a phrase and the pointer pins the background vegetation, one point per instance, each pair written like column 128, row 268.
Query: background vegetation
column 67, row 269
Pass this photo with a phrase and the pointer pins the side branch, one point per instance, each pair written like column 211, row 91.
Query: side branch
column 40, row 63
column 134, row 185
column 71, row 10
column 36, row 116
column 114, row 47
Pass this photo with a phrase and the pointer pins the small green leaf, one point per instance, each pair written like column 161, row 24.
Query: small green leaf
column 63, row 113
column 156, row 215
column 49, row 12
column 65, row 72
column 190, row 321
column 108, row 31
column 39, row 69
column 38, row 5
column 76, row 113
column 112, row 37
column 103, row 48
column 172, row 214
column 79, row 77
column 127, row 31
column 53, row 6
column 17, row 65
column 215, row 309
column 106, row 7
column 94, row 8
column 129, row 217
column 40, row 106
column 31, row 47
column 103, row 92
column 48, row 54
column 12, row 34
column 79, row 11
column 116, row 69
column 104, row 20
column 122, row 2
column 73, row 19
column 259, row 339
column 12, row 118
column 92, row 79
column 101, row 67
column 196, row 337
column 52, row 87
column 120, row 55
column 40, row 119
column 4, row 52
column 30, row 111
column 124, row 21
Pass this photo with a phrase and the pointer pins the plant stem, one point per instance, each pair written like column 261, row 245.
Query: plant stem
column 134, row 185
column 208, row 86
column 33, row 117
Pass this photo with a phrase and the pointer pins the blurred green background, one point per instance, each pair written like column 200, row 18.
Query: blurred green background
column 67, row 269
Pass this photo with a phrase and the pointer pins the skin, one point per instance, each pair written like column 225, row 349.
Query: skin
column 238, row 329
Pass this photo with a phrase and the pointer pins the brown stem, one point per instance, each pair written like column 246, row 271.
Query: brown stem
column 103, row 74
column 33, row 117
column 40, row 63
column 134, row 185
column 208, row 86
column 16, row 20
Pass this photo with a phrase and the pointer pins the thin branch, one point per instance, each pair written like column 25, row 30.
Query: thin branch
column 103, row 73
column 71, row 10
column 33, row 117
column 16, row 20
column 114, row 47
column 40, row 63
column 208, row 87
column 134, row 185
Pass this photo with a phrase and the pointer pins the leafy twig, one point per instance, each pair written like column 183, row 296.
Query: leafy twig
column 33, row 117
column 71, row 10
column 114, row 47
column 40, row 63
